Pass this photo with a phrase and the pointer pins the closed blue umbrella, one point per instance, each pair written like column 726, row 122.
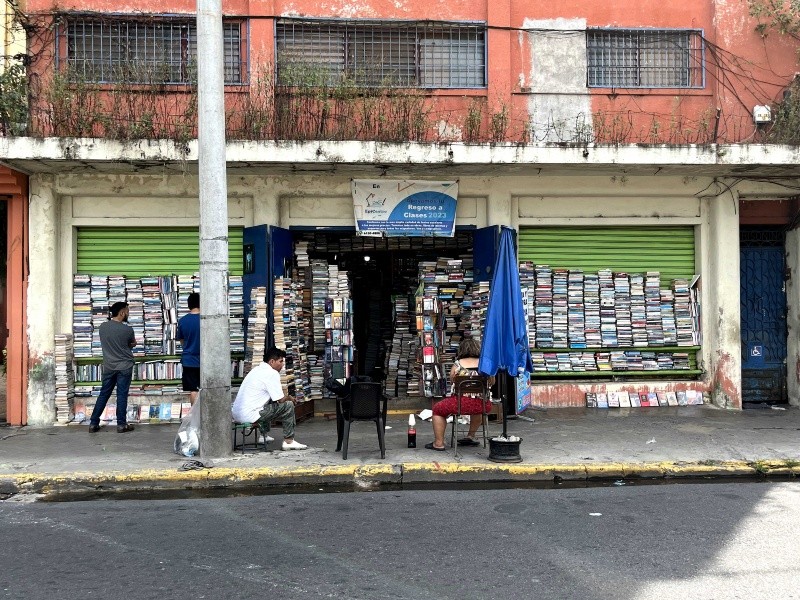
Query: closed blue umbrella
column 504, row 344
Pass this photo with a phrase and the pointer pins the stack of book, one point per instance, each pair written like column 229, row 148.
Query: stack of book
column 284, row 314
column 576, row 310
column 638, row 310
column 622, row 308
column 153, row 316
column 236, row 313
column 169, row 314
column 82, row 316
column 560, row 308
column 133, row 295
column 319, row 293
column 543, row 304
column 668, row 317
column 655, row 331
column 591, row 304
column 394, row 353
column 478, row 304
column 608, row 314
column 684, row 321
column 100, row 309
column 64, row 377
column 301, row 254
column 256, row 328
column 527, row 281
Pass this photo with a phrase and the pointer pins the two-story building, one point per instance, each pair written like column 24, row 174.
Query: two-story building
column 632, row 136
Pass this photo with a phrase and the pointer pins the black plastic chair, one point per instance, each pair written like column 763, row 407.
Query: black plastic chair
column 366, row 402
column 477, row 386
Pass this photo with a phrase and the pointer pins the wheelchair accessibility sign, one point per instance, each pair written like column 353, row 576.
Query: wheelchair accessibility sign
column 755, row 355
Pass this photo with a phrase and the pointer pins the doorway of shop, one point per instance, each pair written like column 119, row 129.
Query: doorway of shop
column 763, row 316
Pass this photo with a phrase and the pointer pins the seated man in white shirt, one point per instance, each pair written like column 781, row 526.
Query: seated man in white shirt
column 261, row 399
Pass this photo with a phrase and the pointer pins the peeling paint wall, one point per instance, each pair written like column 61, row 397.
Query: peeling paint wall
column 43, row 299
column 721, row 310
column 559, row 105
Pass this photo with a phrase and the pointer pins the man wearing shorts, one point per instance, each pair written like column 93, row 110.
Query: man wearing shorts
column 189, row 336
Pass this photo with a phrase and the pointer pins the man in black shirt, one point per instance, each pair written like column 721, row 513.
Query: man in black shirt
column 116, row 340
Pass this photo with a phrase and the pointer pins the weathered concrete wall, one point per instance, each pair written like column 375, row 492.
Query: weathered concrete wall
column 793, row 316
column 43, row 298
column 559, row 105
column 720, row 307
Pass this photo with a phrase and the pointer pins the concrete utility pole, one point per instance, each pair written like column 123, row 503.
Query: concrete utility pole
column 215, row 342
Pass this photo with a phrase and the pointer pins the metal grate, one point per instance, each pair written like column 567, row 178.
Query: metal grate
column 159, row 50
column 381, row 53
column 645, row 58
column 759, row 237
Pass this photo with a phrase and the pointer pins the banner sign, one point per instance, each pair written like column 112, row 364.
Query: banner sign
column 405, row 208
column 524, row 396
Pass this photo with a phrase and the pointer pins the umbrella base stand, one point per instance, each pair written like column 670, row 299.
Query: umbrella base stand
column 504, row 451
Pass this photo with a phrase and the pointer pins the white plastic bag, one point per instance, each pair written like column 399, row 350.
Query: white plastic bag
column 187, row 442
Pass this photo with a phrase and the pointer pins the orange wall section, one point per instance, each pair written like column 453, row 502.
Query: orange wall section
column 14, row 186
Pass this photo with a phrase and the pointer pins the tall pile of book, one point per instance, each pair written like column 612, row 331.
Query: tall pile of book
column 256, row 328
column 135, row 300
column 684, row 322
column 622, row 309
column 652, row 292
column 283, row 315
column 608, row 315
column 560, row 308
column 236, row 313
column 638, row 310
column 319, row 293
column 401, row 353
column 302, row 372
column 169, row 314
column 153, row 316
column 476, row 317
column 64, row 377
column 543, row 304
column 82, row 316
column 527, row 281
column 576, row 318
column 100, row 313
column 591, row 304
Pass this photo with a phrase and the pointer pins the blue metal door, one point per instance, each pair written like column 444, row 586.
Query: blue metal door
column 763, row 308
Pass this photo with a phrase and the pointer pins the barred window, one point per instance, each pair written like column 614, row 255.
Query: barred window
column 645, row 58
column 381, row 53
column 154, row 51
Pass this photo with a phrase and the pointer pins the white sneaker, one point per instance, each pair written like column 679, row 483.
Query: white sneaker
column 262, row 439
column 294, row 445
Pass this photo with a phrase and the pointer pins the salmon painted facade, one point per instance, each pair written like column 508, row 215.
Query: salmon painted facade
column 625, row 120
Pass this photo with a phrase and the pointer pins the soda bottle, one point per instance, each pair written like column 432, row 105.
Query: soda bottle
column 412, row 432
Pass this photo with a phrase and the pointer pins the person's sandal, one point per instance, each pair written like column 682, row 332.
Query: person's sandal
column 468, row 442
column 430, row 446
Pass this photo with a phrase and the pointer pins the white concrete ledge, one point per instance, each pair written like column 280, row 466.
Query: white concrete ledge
column 64, row 154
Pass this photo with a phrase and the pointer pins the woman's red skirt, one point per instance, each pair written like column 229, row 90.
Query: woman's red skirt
column 469, row 406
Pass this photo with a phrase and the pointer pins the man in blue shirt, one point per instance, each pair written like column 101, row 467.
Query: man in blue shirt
column 189, row 336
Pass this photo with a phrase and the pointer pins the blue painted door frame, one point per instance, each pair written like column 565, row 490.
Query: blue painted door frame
column 763, row 324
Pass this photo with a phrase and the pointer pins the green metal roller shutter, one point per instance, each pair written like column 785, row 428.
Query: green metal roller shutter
column 138, row 251
column 668, row 250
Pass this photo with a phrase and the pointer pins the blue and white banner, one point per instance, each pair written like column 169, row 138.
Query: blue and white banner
column 405, row 208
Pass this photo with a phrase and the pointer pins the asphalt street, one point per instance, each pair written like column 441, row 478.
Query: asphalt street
column 716, row 540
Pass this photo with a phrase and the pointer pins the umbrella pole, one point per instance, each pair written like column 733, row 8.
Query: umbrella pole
column 504, row 397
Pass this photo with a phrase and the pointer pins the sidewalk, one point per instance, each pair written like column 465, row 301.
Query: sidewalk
column 568, row 444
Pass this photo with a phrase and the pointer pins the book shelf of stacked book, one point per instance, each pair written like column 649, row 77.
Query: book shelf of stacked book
column 156, row 303
column 610, row 323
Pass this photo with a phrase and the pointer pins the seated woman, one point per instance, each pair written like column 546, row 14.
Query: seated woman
column 466, row 365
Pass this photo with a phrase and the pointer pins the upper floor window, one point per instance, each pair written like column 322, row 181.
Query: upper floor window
column 381, row 53
column 644, row 58
column 151, row 50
